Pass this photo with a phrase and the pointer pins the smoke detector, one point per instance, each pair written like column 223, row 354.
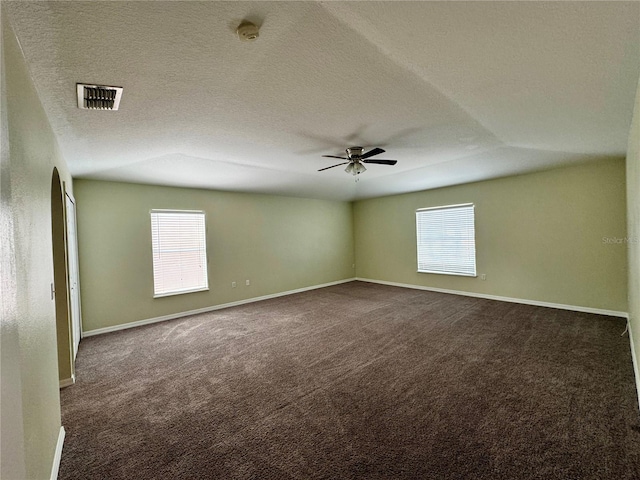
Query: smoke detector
column 98, row 97
column 247, row 32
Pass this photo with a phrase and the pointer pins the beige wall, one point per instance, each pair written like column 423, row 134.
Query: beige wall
column 538, row 236
column 278, row 243
column 633, row 226
column 30, row 385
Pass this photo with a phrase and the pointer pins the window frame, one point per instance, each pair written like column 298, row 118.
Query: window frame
column 170, row 293
column 420, row 211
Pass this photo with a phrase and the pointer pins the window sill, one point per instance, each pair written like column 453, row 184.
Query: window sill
column 474, row 275
column 180, row 292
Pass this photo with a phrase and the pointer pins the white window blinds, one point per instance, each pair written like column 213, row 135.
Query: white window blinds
column 178, row 240
column 446, row 240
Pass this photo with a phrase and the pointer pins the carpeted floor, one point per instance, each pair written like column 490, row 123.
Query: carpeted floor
column 357, row 381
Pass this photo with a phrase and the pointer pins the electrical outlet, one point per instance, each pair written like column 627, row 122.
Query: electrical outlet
column 483, row 277
column 233, row 284
column 247, row 283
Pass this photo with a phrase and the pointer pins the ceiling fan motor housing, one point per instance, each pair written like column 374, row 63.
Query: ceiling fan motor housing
column 354, row 151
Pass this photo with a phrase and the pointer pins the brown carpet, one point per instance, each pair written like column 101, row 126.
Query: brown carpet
column 357, row 381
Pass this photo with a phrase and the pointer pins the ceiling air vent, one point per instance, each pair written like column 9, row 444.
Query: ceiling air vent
column 98, row 97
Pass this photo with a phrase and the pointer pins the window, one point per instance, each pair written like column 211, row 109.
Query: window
column 178, row 241
column 446, row 240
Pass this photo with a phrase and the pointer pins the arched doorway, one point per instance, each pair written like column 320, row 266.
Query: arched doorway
column 66, row 366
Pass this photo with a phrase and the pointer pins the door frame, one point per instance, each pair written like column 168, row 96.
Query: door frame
column 60, row 285
column 74, row 322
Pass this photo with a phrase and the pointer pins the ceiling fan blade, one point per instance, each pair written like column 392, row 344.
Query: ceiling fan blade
column 337, row 165
column 371, row 153
column 381, row 162
column 333, row 156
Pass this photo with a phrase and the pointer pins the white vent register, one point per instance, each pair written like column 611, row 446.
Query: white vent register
column 98, row 97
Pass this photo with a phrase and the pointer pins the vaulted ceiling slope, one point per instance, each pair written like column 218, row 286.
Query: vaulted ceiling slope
column 455, row 91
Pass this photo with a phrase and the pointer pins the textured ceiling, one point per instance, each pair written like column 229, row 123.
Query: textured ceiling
column 455, row 91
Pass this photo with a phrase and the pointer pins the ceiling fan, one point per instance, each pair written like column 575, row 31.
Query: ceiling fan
column 355, row 159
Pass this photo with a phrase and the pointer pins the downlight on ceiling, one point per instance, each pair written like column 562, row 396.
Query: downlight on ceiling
column 247, row 32
column 98, row 97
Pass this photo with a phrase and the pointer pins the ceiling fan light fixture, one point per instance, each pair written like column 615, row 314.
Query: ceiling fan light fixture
column 355, row 168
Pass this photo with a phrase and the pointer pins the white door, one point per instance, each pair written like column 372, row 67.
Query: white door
column 74, row 282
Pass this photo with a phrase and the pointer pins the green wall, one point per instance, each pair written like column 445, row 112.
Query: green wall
column 278, row 243
column 30, row 394
column 538, row 236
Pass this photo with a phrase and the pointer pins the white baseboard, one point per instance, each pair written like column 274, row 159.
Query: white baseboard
column 575, row 308
column 634, row 360
column 58, row 455
column 67, row 382
column 139, row 323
